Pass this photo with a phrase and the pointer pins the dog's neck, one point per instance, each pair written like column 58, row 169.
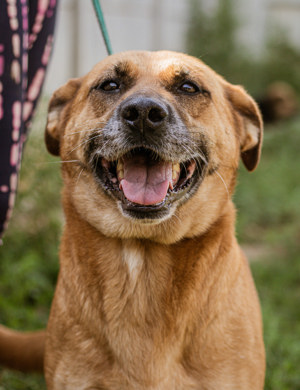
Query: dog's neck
column 134, row 289
column 136, row 264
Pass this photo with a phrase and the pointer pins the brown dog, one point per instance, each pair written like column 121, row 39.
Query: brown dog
column 153, row 290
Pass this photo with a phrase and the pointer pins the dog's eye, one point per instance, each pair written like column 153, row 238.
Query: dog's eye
column 109, row 86
column 189, row 87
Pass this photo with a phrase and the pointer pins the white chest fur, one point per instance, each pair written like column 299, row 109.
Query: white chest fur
column 133, row 256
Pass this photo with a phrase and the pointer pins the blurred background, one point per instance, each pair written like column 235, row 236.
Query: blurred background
column 254, row 43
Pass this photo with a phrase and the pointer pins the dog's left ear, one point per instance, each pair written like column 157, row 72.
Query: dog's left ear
column 57, row 114
column 249, row 123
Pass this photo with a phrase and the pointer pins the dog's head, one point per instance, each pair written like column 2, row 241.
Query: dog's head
column 154, row 141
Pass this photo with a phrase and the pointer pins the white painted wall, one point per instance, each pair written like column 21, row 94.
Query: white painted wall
column 151, row 25
column 286, row 15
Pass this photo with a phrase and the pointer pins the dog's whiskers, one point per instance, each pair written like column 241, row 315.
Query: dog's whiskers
column 77, row 181
column 88, row 123
column 84, row 142
column 223, row 181
column 99, row 152
column 84, row 131
column 85, row 124
column 59, row 162
column 81, row 131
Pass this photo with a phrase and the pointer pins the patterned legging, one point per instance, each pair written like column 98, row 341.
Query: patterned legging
column 26, row 36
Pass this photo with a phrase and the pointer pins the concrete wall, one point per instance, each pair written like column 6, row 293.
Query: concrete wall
column 151, row 25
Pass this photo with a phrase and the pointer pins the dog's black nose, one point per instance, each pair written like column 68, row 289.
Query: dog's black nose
column 143, row 113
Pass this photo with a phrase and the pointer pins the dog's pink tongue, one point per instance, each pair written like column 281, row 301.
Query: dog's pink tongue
column 146, row 182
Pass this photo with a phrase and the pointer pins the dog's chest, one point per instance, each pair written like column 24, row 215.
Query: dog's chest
column 134, row 258
column 140, row 332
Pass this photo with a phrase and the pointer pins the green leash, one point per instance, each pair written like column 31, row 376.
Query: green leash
column 102, row 25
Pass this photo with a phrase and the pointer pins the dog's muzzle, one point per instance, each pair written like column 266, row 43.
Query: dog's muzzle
column 150, row 168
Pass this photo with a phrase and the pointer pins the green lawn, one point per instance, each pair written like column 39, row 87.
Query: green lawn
column 268, row 203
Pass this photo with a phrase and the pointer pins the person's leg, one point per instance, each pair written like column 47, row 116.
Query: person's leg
column 13, row 49
column 26, row 36
column 42, row 15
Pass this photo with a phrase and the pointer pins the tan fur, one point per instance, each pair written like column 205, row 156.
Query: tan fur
column 164, row 304
column 22, row 351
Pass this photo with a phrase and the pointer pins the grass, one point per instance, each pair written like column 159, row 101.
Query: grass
column 268, row 216
column 28, row 258
column 269, row 197
column 268, row 202
column 278, row 282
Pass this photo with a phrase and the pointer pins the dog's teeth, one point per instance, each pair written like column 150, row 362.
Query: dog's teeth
column 191, row 169
column 175, row 172
column 120, row 165
column 120, row 170
column 120, row 174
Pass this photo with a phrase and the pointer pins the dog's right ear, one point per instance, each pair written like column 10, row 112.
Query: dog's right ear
column 57, row 114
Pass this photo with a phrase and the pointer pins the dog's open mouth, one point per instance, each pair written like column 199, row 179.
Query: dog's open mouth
column 145, row 183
